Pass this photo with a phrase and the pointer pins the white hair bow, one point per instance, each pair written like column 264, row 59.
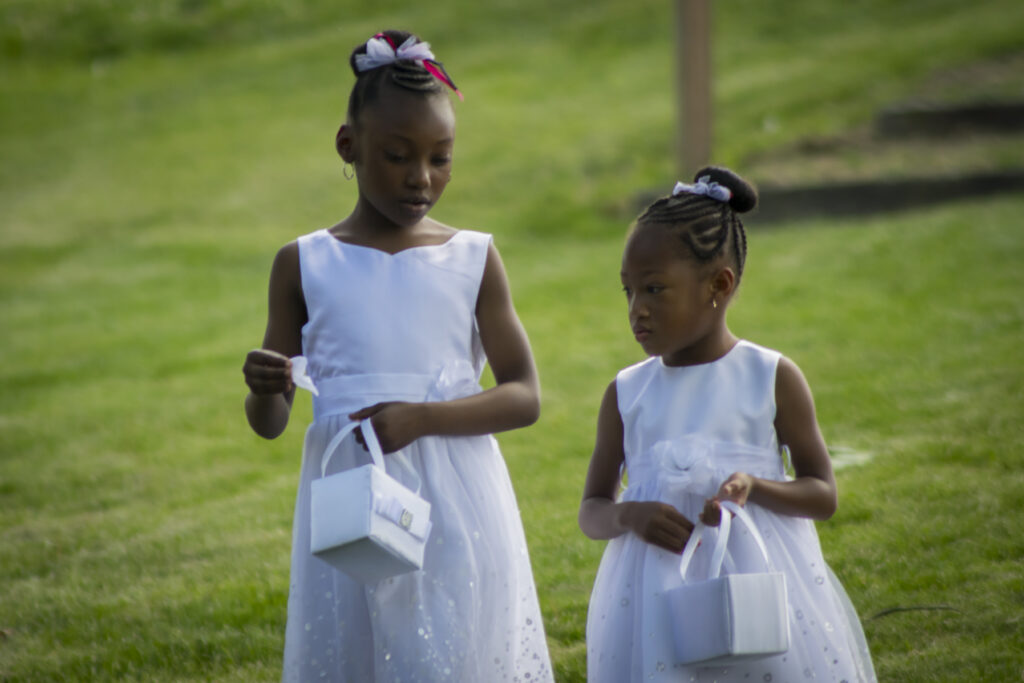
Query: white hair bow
column 379, row 52
column 704, row 186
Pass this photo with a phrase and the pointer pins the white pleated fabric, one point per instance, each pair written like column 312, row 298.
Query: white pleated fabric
column 386, row 327
column 686, row 430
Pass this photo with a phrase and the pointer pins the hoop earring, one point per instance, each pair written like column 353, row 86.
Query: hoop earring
column 348, row 171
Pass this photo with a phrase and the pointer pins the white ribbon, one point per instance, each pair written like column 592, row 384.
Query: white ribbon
column 369, row 437
column 391, row 509
column 706, row 187
column 379, row 53
column 457, row 379
column 722, row 541
column 299, row 376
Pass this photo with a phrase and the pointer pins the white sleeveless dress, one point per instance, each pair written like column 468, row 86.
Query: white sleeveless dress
column 686, row 429
column 402, row 327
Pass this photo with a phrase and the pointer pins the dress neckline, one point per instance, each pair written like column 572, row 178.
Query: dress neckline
column 739, row 343
column 415, row 248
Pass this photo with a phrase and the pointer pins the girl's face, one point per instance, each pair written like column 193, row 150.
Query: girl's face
column 402, row 149
column 670, row 302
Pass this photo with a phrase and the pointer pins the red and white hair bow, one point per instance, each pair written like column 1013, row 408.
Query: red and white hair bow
column 380, row 51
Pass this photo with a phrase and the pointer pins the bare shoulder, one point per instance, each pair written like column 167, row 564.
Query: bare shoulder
column 287, row 311
column 611, row 394
column 603, row 474
column 289, row 252
column 286, row 269
column 609, row 421
column 494, row 284
column 789, row 379
column 795, row 418
column 796, row 426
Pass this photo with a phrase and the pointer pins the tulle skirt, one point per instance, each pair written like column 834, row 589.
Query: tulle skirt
column 629, row 623
column 471, row 613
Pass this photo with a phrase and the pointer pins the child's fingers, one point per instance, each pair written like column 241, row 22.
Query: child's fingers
column 729, row 487
column 267, row 372
column 672, row 540
column 675, row 544
column 677, row 518
column 268, row 358
column 736, row 488
column 662, row 525
column 267, row 379
column 712, row 514
column 675, row 531
column 368, row 411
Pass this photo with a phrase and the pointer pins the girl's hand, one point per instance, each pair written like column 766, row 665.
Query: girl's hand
column 267, row 372
column 659, row 524
column 736, row 488
column 396, row 423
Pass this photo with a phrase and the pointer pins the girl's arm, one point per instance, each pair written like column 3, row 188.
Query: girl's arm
column 813, row 492
column 514, row 401
column 600, row 516
column 268, row 370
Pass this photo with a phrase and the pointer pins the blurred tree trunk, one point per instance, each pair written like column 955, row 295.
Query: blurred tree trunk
column 693, row 88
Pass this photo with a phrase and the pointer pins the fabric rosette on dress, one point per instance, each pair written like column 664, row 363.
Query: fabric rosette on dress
column 680, row 467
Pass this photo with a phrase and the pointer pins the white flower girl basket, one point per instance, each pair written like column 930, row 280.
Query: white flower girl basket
column 729, row 618
column 363, row 522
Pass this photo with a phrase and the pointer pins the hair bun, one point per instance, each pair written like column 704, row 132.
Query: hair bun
column 744, row 196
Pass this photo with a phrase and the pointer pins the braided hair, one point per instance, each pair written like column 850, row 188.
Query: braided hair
column 404, row 73
column 709, row 228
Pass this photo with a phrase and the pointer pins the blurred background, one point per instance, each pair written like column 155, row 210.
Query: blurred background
column 154, row 156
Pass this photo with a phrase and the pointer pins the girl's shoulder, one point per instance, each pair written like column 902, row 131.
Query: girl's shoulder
column 756, row 367
column 644, row 367
column 746, row 350
column 474, row 237
column 474, row 234
column 436, row 234
column 755, row 363
column 464, row 251
column 631, row 381
column 742, row 353
column 449, row 234
column 300, row 247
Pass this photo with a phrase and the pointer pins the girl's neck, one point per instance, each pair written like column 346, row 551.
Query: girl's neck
column 709, row 349
column 367, row 227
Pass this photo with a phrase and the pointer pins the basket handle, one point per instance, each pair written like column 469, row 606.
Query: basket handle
column 718, row 555
column 745, row 517
column 369, row 437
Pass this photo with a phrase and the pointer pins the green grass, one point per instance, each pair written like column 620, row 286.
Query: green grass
column 144, row 531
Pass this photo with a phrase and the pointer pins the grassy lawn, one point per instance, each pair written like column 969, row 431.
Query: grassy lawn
column 152, row 161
